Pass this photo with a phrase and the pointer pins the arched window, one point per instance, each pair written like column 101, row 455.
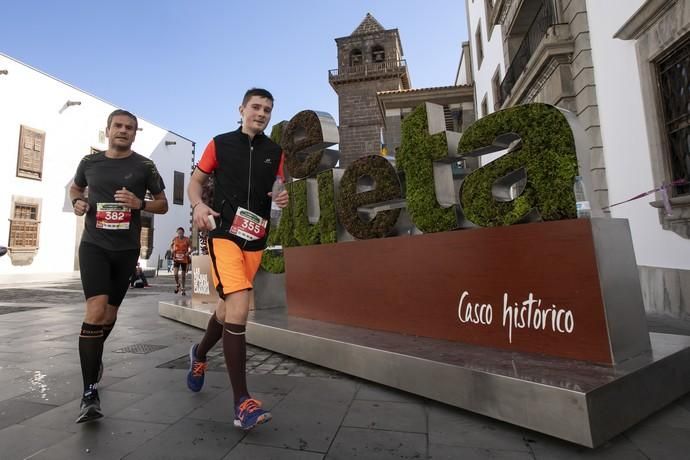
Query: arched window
column 356, row 57
column 378, row 54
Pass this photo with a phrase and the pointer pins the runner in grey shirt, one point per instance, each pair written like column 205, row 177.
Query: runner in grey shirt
column 117, row 181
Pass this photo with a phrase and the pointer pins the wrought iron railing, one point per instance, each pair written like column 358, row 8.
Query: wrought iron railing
column 675, row 100
column 536, row 32
column 367, row 70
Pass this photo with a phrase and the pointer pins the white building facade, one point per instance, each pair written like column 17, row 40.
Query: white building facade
column 622, row 67
column 46, row 127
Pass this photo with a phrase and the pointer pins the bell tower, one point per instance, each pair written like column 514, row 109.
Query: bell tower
column 369, row 60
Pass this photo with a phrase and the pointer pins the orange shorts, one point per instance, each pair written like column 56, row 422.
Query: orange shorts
column 232, row 268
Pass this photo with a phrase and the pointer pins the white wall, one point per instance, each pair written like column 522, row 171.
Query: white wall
column 32, row 98
column 626, row 146
column 493, row 58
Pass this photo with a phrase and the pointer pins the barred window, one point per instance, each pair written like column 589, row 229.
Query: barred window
column 496, row 89
column 178, row 188
column 479, row 45
column 24, row 227
column 30, row 155
column 674, row 83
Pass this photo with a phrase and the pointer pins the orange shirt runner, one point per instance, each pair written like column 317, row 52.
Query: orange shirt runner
column 180, row 250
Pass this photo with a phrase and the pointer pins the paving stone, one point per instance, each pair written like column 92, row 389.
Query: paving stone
column 221, row 408
column 9, row 390
column 300, row 425
column 273, row 383
column 664, row 434
column 63, row 417
column 20, row 442
column 377, row 444
column 105, row 439
column 59, row 364
column 385, row 415
column 453, row 427
column 190, row 439
column 153, row 380
column 685, row 402
column 129, row 366
column 372, row 392
column 50, row 389
column 246, row 451
column 332, row 390
column 8, row 374
column 15, row 411
column 547, row 448
column 164, row 406
column 443, row 452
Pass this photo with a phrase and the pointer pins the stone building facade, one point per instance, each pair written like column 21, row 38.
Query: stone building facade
column 622, row 67
column 548, row 59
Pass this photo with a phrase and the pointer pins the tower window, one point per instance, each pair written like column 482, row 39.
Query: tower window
column 378, row 54
column 356, row 57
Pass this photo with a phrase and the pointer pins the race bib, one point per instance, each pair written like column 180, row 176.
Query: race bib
column 180, row 257
column 113, row 216
column 248, row 225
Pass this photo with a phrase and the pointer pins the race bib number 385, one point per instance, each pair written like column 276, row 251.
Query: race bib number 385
column 113, row 216
column 248, row 225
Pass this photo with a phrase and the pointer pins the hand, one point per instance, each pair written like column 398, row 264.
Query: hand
column 81, row 207
column 281, row 200
column 200, row 217
column 128, row 198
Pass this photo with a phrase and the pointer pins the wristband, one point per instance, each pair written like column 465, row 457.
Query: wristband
column 143, row 205
column 195, row 205
column 77, row 199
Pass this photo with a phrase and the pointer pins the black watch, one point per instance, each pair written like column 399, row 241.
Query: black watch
column 143, row 205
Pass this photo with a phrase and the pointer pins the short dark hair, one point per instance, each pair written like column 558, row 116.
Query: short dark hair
column 180, row 228
column 122, row 112
column 256, row 92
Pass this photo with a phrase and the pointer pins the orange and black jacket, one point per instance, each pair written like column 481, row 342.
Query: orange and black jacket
column 243, row 173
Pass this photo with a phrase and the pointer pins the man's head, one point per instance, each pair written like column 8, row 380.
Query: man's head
column 121, row 129
column 255, row 110
column 180, row 232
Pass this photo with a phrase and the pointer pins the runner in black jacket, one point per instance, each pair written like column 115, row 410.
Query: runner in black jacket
column 244, row 163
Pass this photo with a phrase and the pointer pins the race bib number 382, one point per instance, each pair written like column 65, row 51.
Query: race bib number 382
column 248, row 225
column 113, row 216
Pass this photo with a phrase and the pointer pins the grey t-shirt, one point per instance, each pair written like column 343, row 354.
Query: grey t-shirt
column 109, row 224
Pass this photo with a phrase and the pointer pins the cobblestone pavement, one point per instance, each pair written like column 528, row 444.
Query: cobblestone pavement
column 318, row 413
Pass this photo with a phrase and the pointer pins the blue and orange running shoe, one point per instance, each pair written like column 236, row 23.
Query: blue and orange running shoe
column 197, row 370
column 249, row 414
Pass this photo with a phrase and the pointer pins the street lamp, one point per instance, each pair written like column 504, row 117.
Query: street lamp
column 69, row 104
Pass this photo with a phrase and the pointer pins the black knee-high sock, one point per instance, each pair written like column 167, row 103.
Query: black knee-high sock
column 214, row 331
column 235, row 351
column 107, row 329
column 90, row 351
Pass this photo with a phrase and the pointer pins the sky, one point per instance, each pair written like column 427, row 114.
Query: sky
column 184, row 65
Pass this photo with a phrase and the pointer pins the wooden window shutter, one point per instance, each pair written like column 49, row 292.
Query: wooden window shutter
column 30, row 155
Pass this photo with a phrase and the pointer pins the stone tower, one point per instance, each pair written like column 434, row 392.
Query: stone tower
column 369, row 60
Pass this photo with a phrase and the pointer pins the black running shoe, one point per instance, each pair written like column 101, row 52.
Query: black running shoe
column 90, row 408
